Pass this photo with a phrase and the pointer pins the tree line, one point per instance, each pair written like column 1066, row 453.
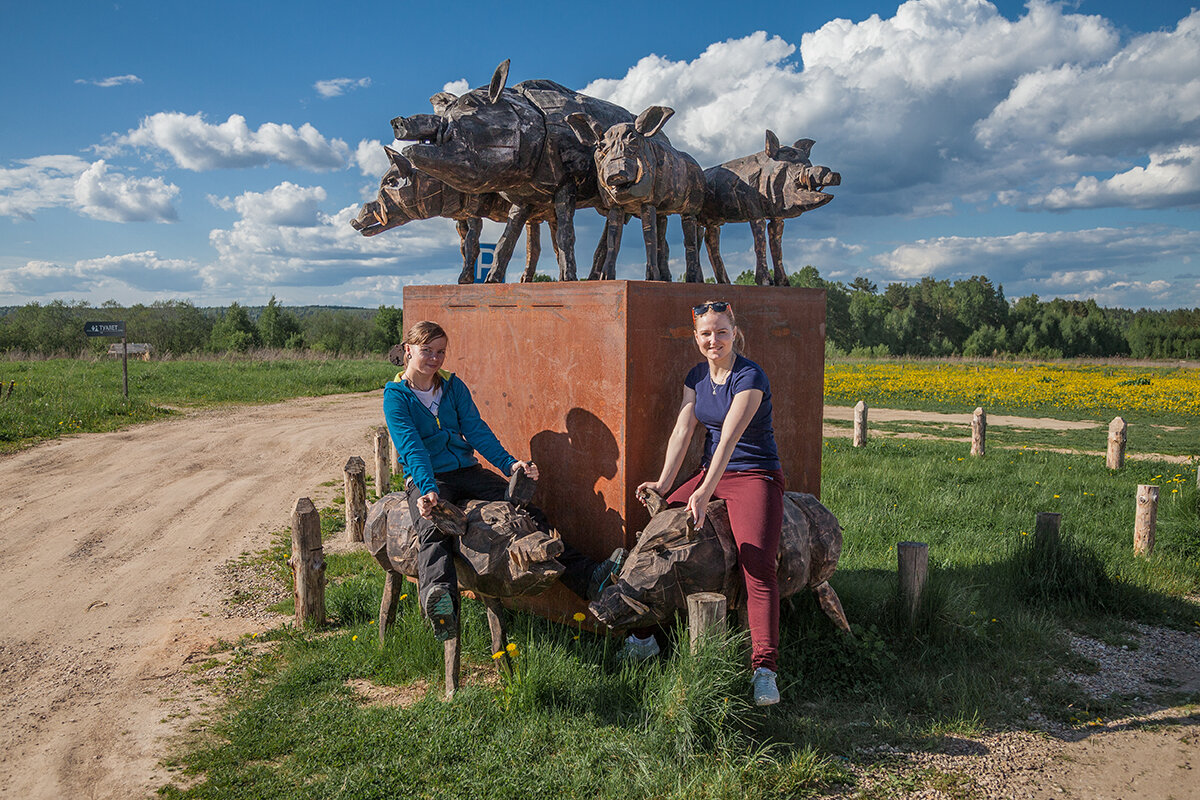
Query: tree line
column 968, row 317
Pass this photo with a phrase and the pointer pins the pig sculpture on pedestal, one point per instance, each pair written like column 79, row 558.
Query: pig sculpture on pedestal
column 763, row 189
column 672, row 560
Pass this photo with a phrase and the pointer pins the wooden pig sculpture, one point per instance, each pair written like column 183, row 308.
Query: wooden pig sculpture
column 641, row 175
column 763, row 189
column 515, row 142
column 407, row 194
column 670, row 561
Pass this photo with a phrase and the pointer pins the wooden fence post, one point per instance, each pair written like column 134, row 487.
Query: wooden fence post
column 355, row 481
column 1045, row 532
column 308, row 564
column 978, row 431
column 913, row 562
column 383, row 470
column 706, row 615
column 860, row 423
column 1146, row 520
column 1115, row 459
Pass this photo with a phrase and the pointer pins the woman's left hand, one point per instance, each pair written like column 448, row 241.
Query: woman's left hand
column 530, row 468
column 697, row 504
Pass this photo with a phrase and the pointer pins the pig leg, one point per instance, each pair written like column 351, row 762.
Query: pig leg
column 495, row 618
column 691, row 250
column 468, row 233
column 391, row 598
column 650, row 235
column 600, row 256
column 533, row 251
column 564, row 213
column 613, row 229
column 508, row 241
column 761, row 276
column 832, row 607
column 553, row 236
column 712, row 243
column 664, row 252
column 775, row 236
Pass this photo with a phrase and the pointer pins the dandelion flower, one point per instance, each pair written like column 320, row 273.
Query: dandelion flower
column 579, row 616
column 576, row 637
column 354, row 638
column 499, row 654
column 512, row 648
column 1055, row 497
column 404, row 596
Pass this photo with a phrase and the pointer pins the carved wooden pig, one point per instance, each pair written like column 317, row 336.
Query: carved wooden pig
column 501, row 554
column 516, row 142
column 669, row 562
column 639, row 174
column 763, row 189
column 407, row 194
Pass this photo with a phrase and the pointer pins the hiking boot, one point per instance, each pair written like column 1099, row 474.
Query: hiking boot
column 606, row 573
column 440, row 611
column 637, row 650
column 763, row 687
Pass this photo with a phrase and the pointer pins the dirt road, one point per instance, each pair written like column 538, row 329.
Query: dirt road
column 109, row 550
column 110, row 554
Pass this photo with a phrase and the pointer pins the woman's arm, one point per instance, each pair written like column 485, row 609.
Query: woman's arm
column 743, row 408
column 410, row 449
column 681, row 436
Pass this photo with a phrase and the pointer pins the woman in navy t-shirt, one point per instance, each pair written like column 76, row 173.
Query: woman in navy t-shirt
column 731, row 397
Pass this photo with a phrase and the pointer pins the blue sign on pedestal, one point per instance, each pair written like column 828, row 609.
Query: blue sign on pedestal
column 483, row 264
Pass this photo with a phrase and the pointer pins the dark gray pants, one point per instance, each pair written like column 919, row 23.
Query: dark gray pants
column 435, row 554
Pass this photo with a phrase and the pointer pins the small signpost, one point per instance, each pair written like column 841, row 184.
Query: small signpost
column 113, row 329
column 483, row 264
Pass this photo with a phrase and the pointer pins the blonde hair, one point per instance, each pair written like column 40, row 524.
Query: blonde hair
column 739, row 341
column 423, row 332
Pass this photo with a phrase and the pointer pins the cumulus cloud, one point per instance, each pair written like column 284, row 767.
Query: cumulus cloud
column 1171, row 179
column 115, row 80
column 92, row 189
column 286, row 204
column 460, row 86
column 145, row 273
column 339, row 86
column 371, row 159
column 198, row 145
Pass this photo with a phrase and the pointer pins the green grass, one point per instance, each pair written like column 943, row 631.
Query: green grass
column 61, row 396
column 574, row 723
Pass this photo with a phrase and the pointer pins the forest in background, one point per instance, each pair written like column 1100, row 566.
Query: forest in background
column 968, row 317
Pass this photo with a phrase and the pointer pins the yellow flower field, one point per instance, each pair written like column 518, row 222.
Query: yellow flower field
column 1026, row 386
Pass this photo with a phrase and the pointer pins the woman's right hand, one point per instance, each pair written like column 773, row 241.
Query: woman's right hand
column 654, row 486
column 426, row 503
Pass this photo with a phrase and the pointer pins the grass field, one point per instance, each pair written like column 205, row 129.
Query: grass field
column 574, row 723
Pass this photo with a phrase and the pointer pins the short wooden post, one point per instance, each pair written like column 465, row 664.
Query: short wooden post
column 706, row 615
column 1115, row 458
column 860, row 423
column 452, row 659
column 355, row 474
column 978, row 431
column 308, row 564
column 1146, row 520
column 1046, row 527
column 383, row 469
column 913, row 562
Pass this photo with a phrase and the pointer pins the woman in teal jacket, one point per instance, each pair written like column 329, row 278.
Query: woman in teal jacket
column 437, row 430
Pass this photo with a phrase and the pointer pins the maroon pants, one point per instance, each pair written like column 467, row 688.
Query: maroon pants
column 754, row 499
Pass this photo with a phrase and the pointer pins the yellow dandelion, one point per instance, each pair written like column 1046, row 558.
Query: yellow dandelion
column 498, row 655
column 579, row 616
column 404, row 596
column 512, row 648
column 1055, row 497
column 576, row 637
column 354, row 638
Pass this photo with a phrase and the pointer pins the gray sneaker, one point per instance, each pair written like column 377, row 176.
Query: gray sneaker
column 763, row 687
column 606, row 572
column 638, row 650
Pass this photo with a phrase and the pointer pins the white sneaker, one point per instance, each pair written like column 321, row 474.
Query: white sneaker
column 637, row 649
column 763, row 686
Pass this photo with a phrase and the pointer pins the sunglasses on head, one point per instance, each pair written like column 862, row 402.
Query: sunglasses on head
column 720, row 307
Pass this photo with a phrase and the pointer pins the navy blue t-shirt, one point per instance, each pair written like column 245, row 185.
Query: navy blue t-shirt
column 756, row 449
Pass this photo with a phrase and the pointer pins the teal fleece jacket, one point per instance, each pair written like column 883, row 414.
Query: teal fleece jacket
column 427, row 445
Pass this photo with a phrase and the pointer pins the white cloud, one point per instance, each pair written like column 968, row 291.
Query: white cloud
column 197, row 145
column 371, row 159
column 115, row 198
column 460, row 86
column 145, row 273
column 339, row 86
column 1171, row 179
column 115, row 80
column 92, row 189
column 286, row 204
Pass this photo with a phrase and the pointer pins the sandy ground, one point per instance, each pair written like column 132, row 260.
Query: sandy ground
column 110, row 586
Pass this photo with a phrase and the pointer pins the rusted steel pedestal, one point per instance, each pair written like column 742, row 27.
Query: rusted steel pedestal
column 586, row 378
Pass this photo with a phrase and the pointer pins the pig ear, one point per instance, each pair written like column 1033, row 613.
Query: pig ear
column 402, row 164
column 499, row 78
column 651, row 121
column 772, row 144
column 586, row 129
column 441, row 101
column 804, row 146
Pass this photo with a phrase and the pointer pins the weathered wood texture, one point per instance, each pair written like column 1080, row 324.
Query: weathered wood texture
column 1117, row 433
column 706, row 615
column 978, row 432
column 860, row 424
column 1145, row 520
column 308, row 564
column 383, row 468
column 913, row 563
column 1046, row 528
column 355, row 487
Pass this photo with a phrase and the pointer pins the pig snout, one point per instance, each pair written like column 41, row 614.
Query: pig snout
column 619, row 172
column 371, row 219
column 417, row 128
column 816, row 177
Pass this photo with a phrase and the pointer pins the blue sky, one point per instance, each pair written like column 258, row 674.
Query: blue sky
column 216, row 152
